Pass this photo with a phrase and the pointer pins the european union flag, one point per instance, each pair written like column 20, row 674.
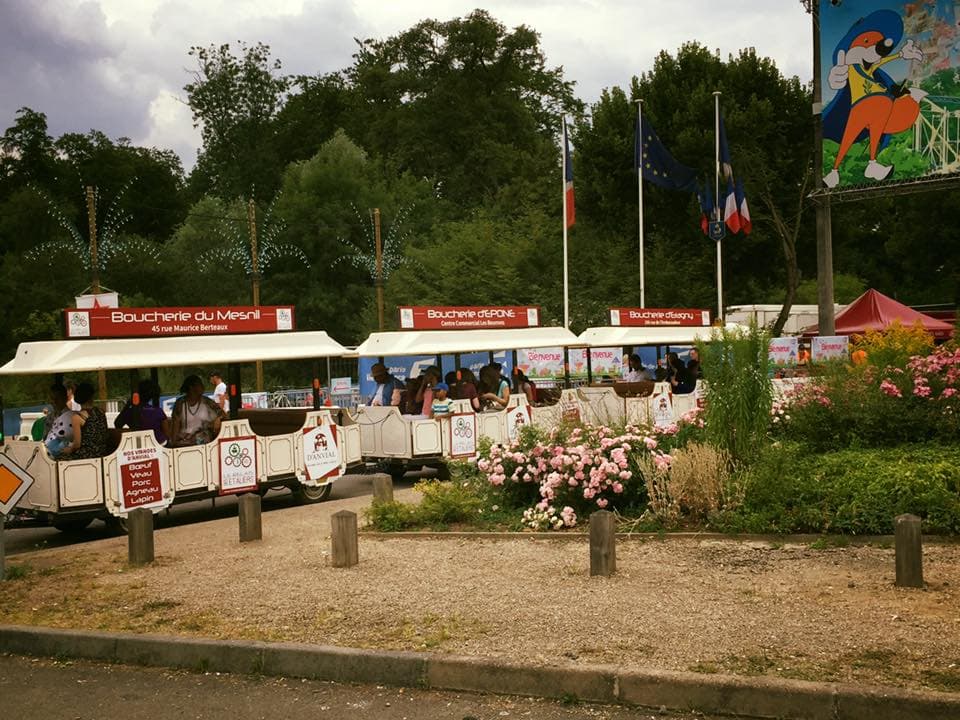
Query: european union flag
column 657, row 163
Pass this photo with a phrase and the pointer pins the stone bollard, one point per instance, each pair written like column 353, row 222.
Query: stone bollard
column 603, row 543
column 3, row 549
column 909, row 551
column 251, row 525
column 343, row 539
column 382, row 488
column 140, row 536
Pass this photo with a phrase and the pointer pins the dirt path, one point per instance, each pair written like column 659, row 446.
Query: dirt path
column 703, row 605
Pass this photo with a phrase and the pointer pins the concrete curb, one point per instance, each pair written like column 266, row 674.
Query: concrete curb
column 752, row 697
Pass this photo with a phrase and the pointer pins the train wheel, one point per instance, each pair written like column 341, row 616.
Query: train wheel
column 305, row 495
column 117, row 525
column 72, row 525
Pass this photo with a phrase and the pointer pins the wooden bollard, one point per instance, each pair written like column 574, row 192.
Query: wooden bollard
column 603, row 544
column 382, row 488
column 343, row 539
column 140, row 536
column 3, row 549
column 908, row 545
column 251, row 525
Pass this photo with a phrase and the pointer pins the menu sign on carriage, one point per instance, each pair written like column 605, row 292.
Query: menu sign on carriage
column 517, row 418
column 142, row 473
column 463, row 435
column 321, row 454
column 659, row 317
column 106, row 322
column 662, row 409
column 238, row 465
column 468, row 318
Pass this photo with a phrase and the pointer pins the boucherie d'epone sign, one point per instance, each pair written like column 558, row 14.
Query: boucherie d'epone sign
column 152, row 322
column 468, row 318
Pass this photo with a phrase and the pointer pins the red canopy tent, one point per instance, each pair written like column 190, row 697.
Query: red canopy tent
column 875, row 311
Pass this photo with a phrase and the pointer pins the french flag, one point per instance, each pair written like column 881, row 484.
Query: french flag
column 745, row 223
column 568, row 179
column 731, row 213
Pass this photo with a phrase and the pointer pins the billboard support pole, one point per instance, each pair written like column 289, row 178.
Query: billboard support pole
column 824, row 231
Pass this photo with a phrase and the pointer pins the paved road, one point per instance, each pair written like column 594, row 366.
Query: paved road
column 35, row 538
column 54, row 690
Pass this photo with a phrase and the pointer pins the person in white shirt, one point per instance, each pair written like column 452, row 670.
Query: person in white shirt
column 195, row 418
column 636, row 371
column 219, row 390
column 71, row 403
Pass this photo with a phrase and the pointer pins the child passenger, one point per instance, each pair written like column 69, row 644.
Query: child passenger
column 441, row 403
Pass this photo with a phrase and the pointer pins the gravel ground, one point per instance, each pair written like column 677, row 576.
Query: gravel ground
column 705, row 605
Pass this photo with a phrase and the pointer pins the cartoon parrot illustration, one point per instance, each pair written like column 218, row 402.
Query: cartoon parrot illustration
column 868, row 104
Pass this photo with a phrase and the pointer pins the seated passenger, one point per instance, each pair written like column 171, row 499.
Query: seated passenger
column 410, row 404
column 677, row 375
column 636, row 371
column 526, row 386
column 91, row 437
column 388, row 387
column 57, row 429
column 146, row 414
column 467, row 388
column 495, row 391
column 196, row 418
column 430, row 378
column 441, row 405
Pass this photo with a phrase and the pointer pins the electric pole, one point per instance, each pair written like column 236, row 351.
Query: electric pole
column 255, row 273
column 378, row 280
column 95, row 270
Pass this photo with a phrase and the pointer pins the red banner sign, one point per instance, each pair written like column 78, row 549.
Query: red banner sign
column 154, row 322
column 468, row 318
column 664, row 317
column 141, row 478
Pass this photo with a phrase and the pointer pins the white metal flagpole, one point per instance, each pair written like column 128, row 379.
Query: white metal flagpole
column 566, row 272
column 716, row 96
column 639, row 150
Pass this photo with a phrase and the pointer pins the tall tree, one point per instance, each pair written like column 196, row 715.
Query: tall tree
column 235, row 99
column 466, row 102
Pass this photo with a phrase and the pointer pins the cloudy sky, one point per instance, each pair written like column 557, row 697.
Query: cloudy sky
column 120, row 65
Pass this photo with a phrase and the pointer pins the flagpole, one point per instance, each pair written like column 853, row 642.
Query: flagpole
column 640, row 199
column 566, row 272
column 716, row 97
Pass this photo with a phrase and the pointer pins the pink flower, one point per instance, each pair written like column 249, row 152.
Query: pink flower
column 889, row 389
column 602, row 502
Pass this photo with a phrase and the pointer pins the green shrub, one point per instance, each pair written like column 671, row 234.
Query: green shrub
column 788, row 489
column 444, row 503
column 391, row 516
column 738, row 393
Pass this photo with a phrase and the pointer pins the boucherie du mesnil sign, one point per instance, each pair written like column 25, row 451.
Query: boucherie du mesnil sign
column 153, row 322
column 468, row 318
column 663, row 317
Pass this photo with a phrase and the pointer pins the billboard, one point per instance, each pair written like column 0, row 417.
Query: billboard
column 890, row 79
column 659, row 317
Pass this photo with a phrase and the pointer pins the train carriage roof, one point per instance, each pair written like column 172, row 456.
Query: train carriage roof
column 448, row 342
column 63, row 356
column 620, row 336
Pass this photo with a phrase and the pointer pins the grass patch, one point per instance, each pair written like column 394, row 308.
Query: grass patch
column 946, row 680
column 830, row 541
column 18, row 572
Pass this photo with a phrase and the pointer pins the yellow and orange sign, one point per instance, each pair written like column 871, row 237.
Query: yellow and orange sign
column 14, row 483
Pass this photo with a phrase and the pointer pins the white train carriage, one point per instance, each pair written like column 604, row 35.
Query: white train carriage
column 302, row 448
column 399, row 441
column 648, row 403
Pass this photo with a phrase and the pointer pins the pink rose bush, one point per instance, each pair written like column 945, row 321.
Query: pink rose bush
column 875, row 405
column 575, row 472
